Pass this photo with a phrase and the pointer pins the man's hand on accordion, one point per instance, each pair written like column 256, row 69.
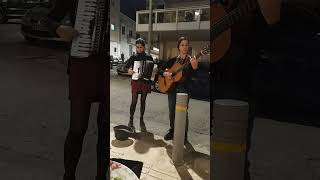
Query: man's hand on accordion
column 67, row 33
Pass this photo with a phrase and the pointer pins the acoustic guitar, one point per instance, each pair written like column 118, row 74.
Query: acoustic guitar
column 165, row 83
column 221, row 21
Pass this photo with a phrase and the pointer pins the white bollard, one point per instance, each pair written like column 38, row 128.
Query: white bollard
column 230, row 122
column 179, row 128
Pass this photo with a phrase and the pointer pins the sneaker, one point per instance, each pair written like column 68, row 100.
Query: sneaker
column 169, row 135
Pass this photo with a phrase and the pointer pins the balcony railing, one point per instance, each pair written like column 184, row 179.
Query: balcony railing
column 175, row 19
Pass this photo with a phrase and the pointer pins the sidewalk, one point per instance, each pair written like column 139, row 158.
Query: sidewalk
column 155, row 153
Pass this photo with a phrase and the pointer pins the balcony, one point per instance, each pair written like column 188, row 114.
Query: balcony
column 197, row 18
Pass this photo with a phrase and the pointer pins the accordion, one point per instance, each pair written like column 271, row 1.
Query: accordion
column 145, row 70
column 91, row 22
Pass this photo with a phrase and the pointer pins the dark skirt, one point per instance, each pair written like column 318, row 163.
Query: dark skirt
column 88, row 80
column 140, row 86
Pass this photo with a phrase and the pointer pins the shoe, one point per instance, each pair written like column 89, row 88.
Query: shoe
column 143, row 126
column 169, row 135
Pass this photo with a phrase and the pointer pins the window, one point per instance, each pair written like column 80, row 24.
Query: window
column 143, row 18
column 115, row 49
column 130, row 34
column 138, row 35
column 167, row 17
column 205, row 15
column 112, row 27
column 123, row 30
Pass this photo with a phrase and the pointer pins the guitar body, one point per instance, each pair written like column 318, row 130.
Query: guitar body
column 221, row 44
column 165, row 83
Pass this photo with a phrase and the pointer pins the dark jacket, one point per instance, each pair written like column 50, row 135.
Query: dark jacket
column 187, row 73
column 88, row 77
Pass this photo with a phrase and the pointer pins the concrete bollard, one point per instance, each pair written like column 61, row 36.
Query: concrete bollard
column 179, row 128
column 228, row 145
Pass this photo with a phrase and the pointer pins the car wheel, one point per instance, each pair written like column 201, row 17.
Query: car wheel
column 30, row 39
column 3, row 12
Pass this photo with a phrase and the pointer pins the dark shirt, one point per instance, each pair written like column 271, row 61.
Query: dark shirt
column 137, row 57
column 187, row 73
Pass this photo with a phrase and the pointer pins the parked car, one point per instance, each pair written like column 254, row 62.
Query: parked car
column 33, row 24
column 15, row 9
column 116, row 60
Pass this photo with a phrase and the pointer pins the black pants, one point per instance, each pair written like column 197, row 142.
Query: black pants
column 172, row 95
column 80, row 111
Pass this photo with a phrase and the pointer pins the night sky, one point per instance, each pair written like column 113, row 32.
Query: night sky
column 129, row 7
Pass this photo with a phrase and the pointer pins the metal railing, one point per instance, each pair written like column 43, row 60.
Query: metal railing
column 192, row 14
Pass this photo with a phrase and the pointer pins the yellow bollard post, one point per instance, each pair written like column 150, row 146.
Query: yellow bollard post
column 228, row 146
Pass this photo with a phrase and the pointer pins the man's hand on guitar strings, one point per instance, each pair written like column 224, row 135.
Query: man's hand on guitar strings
column 194, row 63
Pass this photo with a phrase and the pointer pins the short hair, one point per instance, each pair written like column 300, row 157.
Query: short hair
column 182, row 39
column 140, row 41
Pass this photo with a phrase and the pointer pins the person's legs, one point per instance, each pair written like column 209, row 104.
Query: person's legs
column 102, row 151
column 79, row 117
column 142, row 110
column 133, row 108
column 172, row 111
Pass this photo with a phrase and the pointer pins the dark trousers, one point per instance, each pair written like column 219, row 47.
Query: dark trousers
column 80, row 111
column 172, row 95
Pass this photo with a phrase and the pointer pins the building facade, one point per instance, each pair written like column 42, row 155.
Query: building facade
column 189, row 18
column 122, row 32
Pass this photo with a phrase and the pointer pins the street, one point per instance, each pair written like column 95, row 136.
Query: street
column 34, row 111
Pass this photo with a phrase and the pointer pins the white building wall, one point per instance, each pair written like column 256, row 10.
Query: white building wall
column 117, row 39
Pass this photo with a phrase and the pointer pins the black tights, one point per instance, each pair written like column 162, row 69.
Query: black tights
column 80, row 111
column 134, row 103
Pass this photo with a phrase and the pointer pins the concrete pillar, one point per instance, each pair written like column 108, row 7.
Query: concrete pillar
column 179, row 128
column 228, row 145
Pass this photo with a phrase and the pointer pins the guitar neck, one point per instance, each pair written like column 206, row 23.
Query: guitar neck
column 233, row 17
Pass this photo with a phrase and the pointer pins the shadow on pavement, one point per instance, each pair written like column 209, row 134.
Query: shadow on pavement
column 145, row 141
column 198, row 162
